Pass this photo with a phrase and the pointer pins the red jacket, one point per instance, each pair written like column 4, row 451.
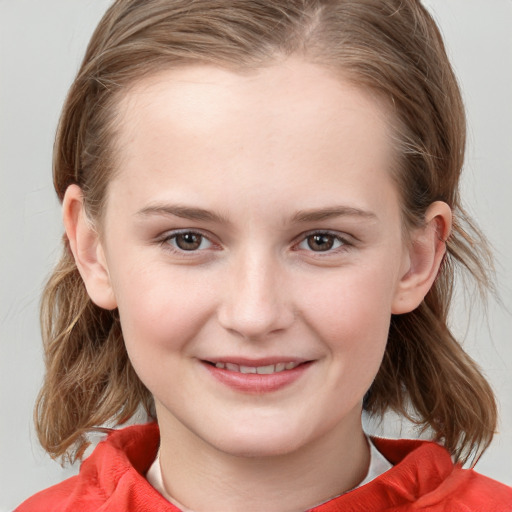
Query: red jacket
column 423, row 478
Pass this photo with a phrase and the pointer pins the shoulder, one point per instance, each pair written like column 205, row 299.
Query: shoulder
column 423, row 477
column 466, row 490
column 110, row 479
column 441, row 485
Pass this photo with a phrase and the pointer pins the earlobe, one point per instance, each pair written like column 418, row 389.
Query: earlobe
column 426, row 252
column 85, row 244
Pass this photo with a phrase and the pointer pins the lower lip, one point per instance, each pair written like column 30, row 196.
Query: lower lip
column 257, row 383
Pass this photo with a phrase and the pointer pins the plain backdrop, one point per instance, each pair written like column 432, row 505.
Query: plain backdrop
column 41, row 44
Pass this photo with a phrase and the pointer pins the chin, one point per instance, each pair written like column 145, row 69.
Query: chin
column 260, row 443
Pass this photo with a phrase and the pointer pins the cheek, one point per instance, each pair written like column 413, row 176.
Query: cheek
column 160, row 310
column 349, row 315
column 161, row 316
column 351, row 312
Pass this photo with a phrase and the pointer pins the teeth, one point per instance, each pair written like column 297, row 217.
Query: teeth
column 266, row 370
column 247, row 369
column 260, row 370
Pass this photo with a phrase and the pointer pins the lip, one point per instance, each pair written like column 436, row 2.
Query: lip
column 254, row 383
column 264, row 361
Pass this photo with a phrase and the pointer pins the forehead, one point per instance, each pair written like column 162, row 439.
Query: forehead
column 293, row 124
column 293, row 91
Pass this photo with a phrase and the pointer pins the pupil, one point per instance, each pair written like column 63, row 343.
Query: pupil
column 188, row 241
column 320, row 242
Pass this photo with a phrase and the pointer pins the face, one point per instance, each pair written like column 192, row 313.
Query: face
column 253, row 243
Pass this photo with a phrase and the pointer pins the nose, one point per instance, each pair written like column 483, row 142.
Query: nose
column 255, row 301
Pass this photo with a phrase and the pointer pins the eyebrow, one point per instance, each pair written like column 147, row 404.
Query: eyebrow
column 302, row 216
column 331, row 212
column 185, row 212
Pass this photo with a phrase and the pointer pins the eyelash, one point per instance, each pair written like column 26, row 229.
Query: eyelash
column 343, row 242
column 166, row 242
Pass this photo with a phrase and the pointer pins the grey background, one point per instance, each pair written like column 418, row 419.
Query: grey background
column 41, row 44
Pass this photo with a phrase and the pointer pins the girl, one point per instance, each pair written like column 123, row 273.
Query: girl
column 262, row 229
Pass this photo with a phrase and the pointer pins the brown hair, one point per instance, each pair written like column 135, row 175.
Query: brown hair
column 392, row 47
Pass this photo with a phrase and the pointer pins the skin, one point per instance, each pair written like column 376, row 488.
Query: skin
column 274, row 156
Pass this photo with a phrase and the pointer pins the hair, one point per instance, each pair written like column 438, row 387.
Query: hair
column 392, row 48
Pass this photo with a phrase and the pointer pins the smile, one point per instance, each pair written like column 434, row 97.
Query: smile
column 260, row 370
column 257, row 377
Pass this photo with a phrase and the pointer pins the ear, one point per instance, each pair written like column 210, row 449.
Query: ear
column 85, row 244
column 427, row 248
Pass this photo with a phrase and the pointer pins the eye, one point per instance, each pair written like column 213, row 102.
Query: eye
column 188, row 241
column 322, row 242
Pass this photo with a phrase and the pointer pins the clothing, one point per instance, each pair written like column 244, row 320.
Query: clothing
column 423, row 478
column 378, row 465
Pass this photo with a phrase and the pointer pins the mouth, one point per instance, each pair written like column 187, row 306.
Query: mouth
column 267, row 369
column 257, row 377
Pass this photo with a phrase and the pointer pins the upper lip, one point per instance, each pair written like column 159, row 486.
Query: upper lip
column 264, row 361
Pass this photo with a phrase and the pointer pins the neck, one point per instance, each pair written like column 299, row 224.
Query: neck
column 290, row 482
